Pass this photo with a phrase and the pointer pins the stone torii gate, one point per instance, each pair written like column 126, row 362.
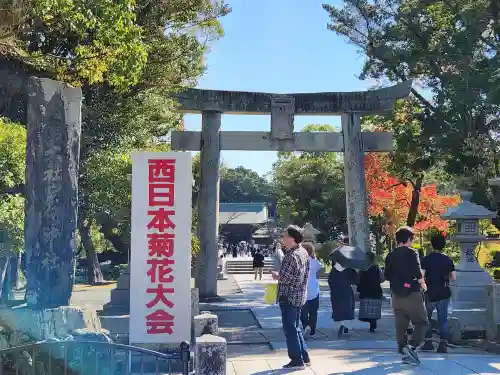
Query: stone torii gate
column 282, row 108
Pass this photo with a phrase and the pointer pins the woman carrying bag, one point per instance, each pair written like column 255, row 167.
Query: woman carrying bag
column 370, row 293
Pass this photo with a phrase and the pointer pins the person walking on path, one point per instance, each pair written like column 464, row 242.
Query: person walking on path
column 340, row 281
column 402, row 269
column 309, row 314
column 258, row 264
column 439, row 270
column 370, row 293
column 292, row 295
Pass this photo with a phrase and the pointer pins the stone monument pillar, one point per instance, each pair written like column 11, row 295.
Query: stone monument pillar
column 470, row 290
column 52, row 154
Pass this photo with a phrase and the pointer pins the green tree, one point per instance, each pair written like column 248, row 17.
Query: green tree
column 242, row 185
column 12, row 172
column 108, row 203
column 12, row 156
column 77, row 41
column 310, row 188
column 140, row 116
column 450, row 48
column 128, row 57
column 414, row 161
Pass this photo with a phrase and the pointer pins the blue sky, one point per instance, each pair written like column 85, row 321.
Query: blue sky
column 277, row 46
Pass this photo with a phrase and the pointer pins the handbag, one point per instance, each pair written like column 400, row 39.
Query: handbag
column 271, row 293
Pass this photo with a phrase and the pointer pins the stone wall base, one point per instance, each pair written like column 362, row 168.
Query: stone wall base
column 21, row 325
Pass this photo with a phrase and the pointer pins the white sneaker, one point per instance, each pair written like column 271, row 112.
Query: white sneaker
column 411, row 353
column 307, row 332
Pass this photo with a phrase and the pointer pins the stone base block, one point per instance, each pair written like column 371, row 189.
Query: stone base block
column 210, row 355
column 205, row 320
column 117, row 324
column 120, row 297
column 469, row 294
column 23, row 325
column 124, row 279
column 471, row 320
column 455, row 330
column 110, row 310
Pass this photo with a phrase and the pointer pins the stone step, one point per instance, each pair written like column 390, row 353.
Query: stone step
column 116, row 324
column 467, row 305
column 120, row 296
column 245, row 272
column 230, row 261
column 111, row 310
column 247, row 264
column 247, row 268
column 471, row 319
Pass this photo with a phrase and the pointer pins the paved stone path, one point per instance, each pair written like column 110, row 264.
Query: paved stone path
column 361, row 362
column 269, row 318
column 260, row 351
column 257, row 345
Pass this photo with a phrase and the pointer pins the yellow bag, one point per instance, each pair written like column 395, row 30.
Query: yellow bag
column 271, row 293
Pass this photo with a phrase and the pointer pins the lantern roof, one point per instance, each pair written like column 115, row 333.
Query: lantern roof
column 309, row 229
column 468, row 210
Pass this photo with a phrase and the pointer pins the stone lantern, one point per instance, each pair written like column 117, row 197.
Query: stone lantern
column 470, row 290
column 310, row 233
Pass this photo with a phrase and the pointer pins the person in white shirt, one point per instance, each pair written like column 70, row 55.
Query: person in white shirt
column 309, row 313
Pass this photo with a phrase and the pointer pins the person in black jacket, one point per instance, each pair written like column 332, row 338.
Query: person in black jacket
column 370, row 293
column 402, row 269
column 258, row 264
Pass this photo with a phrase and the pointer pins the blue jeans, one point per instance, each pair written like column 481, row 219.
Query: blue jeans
column 297, row 348
column 442, row 316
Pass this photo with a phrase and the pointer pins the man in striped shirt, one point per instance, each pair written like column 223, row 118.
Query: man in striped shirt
column 292, row 295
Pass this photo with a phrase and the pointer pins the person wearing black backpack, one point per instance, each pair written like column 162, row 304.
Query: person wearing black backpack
column 402, row 270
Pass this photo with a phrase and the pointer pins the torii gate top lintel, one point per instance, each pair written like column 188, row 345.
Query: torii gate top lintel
column 323, row 103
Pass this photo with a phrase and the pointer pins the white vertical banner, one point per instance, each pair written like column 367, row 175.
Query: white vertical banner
column 160, row 279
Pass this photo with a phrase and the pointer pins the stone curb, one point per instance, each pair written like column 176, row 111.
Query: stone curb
column 489, row 346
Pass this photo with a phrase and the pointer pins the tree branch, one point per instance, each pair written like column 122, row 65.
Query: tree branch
column 19, row 189
column 396, row 185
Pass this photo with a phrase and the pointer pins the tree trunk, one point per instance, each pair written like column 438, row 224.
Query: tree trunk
column 4, row 268
column 107, row 230
column 94, row 274
column 415, row 200
column 16, row 271
column 9, row 281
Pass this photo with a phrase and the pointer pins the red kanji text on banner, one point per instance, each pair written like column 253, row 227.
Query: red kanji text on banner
column 160, row 266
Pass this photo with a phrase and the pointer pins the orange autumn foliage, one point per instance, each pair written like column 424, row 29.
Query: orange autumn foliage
column 390, row 198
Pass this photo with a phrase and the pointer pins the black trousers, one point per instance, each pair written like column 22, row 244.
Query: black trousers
column 309, row 314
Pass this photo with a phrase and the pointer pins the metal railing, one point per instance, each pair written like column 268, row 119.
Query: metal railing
column 92, row 358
